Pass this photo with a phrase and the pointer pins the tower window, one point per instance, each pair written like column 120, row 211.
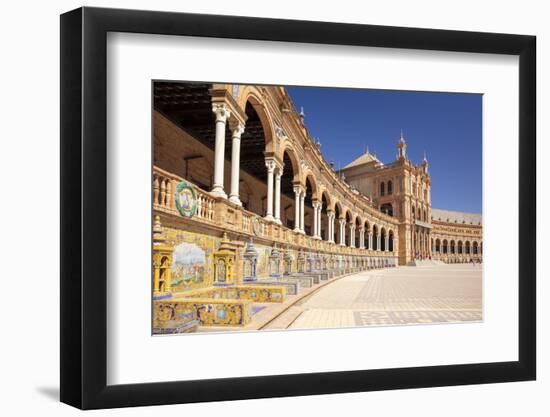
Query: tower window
column 382, row 189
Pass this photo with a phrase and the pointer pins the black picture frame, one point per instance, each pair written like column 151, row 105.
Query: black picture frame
column 84, row 207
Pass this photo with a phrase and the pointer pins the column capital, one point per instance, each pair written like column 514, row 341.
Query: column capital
column 270, row 165
column 342, row 221
column 297, row 189
column 330, row 212
column 316, row 204
column 237, row 128
column 221, row 111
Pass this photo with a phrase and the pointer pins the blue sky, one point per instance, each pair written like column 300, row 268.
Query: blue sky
column 446, row 126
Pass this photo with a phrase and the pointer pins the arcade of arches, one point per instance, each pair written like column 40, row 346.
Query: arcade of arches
column 256, row 173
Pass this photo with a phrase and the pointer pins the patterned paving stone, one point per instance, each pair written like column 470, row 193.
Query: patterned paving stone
column 406, row 295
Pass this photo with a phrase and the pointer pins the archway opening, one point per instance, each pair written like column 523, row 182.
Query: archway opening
column 325, row 204
column 337, row 216
column 367, row 232
column 387, row 208
column 308, row 207
column 348, row 226
column 357, row 232
column 288, row 197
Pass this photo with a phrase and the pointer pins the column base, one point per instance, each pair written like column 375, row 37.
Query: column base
column 217, row 191
column 235, row 200
column 269, row 218
column 278, row 221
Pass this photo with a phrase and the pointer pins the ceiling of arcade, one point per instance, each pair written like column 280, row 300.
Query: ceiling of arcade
column 189, row 106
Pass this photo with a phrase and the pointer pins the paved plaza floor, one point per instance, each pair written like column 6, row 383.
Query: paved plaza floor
column 396, row 296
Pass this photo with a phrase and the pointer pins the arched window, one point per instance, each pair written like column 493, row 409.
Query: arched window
column 390, row 188
column 382, row 189
column 387, row 208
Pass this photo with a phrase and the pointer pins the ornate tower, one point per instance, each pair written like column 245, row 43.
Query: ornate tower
column 402, row 148
column 224, row 263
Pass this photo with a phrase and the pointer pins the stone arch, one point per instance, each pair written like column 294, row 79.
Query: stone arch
column 367, row 226
column 326, row 204
column 288, row 150
column 358, row 224
column 330, row 200
column 383, row 234
column 391, row 241
column 250, row 93
column 311, row 195
column 375, row 231
column 349, row 223
column 309, row 176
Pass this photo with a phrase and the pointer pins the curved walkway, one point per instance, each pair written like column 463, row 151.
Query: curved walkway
column 395, row 296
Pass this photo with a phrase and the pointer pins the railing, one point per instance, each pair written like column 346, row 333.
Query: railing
column 164, row 187
column 221, row 213
column 205, row 205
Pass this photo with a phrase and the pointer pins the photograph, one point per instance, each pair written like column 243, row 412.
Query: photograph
column 278, row 207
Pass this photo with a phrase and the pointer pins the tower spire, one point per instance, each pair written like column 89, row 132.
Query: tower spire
column 401, row 147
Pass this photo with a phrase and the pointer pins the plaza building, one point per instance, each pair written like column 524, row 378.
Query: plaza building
column 403, row 190
column 246, row 208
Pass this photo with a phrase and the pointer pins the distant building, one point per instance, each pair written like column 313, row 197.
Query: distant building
column 402, row 189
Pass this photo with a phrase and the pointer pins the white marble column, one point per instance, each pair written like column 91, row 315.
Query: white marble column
column 342, row 223
column 370, row 240
column 316, row 218
column 378, row 242
column 297, row 192
column 387, row 244
column 270, row 165
column 222, row 114
column 302, row 212
column 238, row 130
column 314, row 231
column 352, row 236
column 319, row 220
column 331, row 226
column 361, row 238
column 278, row 176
